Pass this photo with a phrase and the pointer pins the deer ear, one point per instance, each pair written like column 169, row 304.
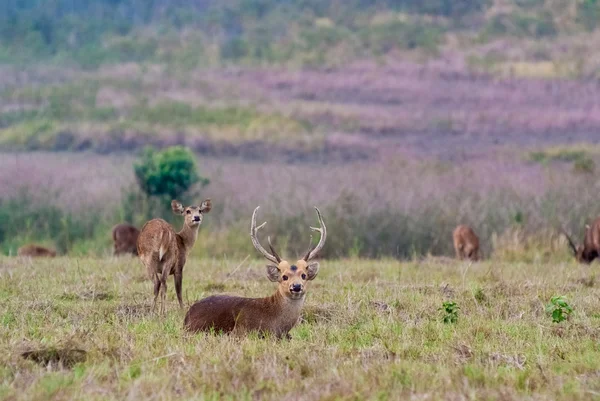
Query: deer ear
column 312, row 270
column 273, row 273
column 206, row 206
column 177, row 207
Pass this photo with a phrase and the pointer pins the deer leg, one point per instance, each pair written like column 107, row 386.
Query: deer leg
column 156, row 281
column 178, row 278
column 163, row 288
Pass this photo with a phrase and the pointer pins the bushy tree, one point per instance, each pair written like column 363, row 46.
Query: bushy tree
column 167, row 173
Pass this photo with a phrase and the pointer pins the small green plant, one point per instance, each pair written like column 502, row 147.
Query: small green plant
column 450, row 312
column 559, row 308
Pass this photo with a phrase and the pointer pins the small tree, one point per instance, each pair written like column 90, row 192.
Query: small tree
column 168, row 173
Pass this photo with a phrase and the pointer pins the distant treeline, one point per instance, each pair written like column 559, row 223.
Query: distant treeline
column 82, row 30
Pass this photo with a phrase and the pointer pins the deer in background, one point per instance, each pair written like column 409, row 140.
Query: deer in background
column 590, row 249
column 276, row 314
column 466, row 243
column 34, row 251
column 164, row 251
column 125, row 239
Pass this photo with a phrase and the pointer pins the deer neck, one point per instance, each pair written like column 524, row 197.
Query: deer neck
column 289, row 309
column 188, row 237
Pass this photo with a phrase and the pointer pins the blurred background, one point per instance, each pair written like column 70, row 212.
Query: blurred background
column 399, row 118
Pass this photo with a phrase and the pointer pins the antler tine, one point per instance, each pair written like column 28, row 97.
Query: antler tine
column 309, row 248
column 323, row 231
column 254, row 238
column 571, row 243
column 273, row 251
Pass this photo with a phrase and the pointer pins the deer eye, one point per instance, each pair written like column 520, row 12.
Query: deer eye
column 188, row 211
column 285, row 278
column 303, row 276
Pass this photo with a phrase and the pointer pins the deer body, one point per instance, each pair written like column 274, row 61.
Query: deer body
column 590, row 249
column 125, row 239
column 276, row 314
column 33, row 251
column 164, row 251
column 466, row 243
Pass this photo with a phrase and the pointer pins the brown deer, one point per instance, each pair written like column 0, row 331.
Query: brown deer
column 276, row 314
column 164, row 252
column 125, row 239
column 590, row 249
column 466, row 243
column 34, row 251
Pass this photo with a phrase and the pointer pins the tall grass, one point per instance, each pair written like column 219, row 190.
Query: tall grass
column 393, row 208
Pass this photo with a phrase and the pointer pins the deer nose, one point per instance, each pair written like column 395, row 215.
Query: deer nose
column 196, row 218
column 297, row 287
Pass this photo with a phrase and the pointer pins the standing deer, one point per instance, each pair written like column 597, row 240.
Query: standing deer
column 590, row 249
column 125, row 239
column 276, row 314
column 34, row 251
column 466, row 243
column 164, row 252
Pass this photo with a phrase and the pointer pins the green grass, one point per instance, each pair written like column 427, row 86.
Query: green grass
column 370, row 330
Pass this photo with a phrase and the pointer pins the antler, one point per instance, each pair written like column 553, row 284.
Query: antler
column 571, row 243
column 323, row 230
column 273, row 251
column 257, row 245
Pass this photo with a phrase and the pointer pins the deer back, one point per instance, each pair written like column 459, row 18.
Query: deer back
column 125, row 238
column 158, row 240
column 230, row 313
column 465, row 236
column 33, row 250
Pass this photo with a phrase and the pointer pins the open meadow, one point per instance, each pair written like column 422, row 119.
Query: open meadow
column 81, row 328
column 398, row 119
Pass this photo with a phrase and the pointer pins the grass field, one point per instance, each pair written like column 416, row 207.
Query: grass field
column 370, row 330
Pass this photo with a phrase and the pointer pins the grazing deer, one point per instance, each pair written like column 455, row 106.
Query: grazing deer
column 34, row 251
column 466, row 243
column 164, row 252
column 276, row 314
column 590, row 249
column 125, row 239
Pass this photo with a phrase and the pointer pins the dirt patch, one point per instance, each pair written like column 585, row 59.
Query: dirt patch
column 56, row 357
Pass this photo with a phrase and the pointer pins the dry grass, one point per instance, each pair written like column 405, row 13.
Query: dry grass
column 370, row 330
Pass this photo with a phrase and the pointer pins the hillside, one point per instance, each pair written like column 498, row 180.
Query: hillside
column 302, row 80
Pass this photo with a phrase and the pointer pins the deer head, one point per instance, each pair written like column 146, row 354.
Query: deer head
column 292, row 278
column 192, row 214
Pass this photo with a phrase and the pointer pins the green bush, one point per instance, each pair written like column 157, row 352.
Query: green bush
column 584, row 165
column 168, row 173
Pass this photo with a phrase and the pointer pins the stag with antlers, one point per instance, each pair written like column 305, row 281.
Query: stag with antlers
column 276, row 314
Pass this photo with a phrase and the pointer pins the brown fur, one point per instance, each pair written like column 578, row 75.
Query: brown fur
column 34, row 251
column 466, row 243
column 590, row 249
column 276, row 314
column 125, row 239
column 164, row 251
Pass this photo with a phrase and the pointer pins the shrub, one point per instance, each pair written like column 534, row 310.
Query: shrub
column 168, row 173
column 584, row 165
